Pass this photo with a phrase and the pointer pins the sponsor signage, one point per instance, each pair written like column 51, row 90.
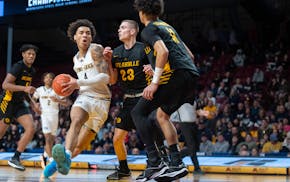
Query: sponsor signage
column 33, row 5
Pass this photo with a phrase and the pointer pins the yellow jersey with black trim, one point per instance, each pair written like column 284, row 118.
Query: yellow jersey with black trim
column 178, row 58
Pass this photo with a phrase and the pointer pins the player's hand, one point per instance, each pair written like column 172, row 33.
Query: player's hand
column 148, row 69
column 54, row 98
column 107, row 53
column 36, row 108
column 70, row 86
column 149, row 91
column 29, row 89
column 201, row 112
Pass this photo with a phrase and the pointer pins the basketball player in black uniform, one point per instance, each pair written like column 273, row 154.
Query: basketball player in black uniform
column 172, row 85
column 128, row 65
column 16, row 86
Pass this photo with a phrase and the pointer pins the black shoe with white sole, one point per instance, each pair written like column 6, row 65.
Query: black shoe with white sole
column 152, row 172
column 15, row 163
column 173, row 173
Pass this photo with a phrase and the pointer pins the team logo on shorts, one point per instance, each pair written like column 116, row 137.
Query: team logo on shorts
column 7, row 120
column 118, row 120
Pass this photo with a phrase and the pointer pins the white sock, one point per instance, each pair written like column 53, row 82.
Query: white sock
column 50, row 159
column 68, row 152
column 45, row 154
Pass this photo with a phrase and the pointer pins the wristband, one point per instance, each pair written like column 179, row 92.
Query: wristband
column 157, row 74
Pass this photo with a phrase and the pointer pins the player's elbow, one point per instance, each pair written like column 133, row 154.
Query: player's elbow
column 164, row 53
column 4, row 86
column 105, row 78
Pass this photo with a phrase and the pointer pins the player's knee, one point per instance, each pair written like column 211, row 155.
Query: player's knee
column 162, row 117
column 30, row 130
column 76, row 123
column 117, row 139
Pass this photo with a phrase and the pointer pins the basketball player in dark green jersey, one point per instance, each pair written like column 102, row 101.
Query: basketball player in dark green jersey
column 172, row 85
column 16, row 86
column 128, row 65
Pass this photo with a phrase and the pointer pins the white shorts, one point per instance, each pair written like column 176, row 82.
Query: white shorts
column 49, row 122
column 186, row 113
column 98, row 109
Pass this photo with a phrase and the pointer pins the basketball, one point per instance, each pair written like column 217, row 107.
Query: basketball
column 57, row 84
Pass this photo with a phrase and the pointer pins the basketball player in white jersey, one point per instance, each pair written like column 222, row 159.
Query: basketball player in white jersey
column 90, row 110
column 49, row 103
column 186, row 116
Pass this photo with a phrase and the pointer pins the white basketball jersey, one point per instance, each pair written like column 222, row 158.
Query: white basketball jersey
column 85, row 69
column 47, row 105
column 186, row 113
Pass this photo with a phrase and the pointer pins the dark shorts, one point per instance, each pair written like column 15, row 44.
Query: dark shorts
column 180, row 89
column 124, row 120
column 12, row 110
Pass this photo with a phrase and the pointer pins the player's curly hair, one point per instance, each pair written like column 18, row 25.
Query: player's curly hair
column 149, row 7
column 73, row 27
column 52, row 75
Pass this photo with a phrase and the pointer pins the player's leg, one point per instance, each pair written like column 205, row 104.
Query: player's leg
column 86, row 111
column 49, row 124
column 140, row 113
column 47, row 155
column 5, row 116
column 158, row 137
column 3, row 128
column 86, row 136
column 179, row 83
column 189, row 131
column 177, row 168
column 26, row 121
column 121, row 152
column 123, row 124
column 62, row 155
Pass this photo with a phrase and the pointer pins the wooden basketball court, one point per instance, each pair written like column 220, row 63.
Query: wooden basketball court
column 32, row 174
column 89, row 167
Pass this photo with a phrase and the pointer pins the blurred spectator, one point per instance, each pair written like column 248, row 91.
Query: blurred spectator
column 210, row 110
column 108, row 148
column 258, row 78
column 135, row 151
column 206, row 145
column 134, row 141
column 201, row 100
column 286, row 144
column 99, row 150
column 244, row 150
column 237, row 86
column 249, row 142
column 239, row 58
column 273, row 146
column 209, row 96
column 221, row 146
column 227, row 79
column 233, row 145
column 255, row 152
column 222, row 91
column 247, row 86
